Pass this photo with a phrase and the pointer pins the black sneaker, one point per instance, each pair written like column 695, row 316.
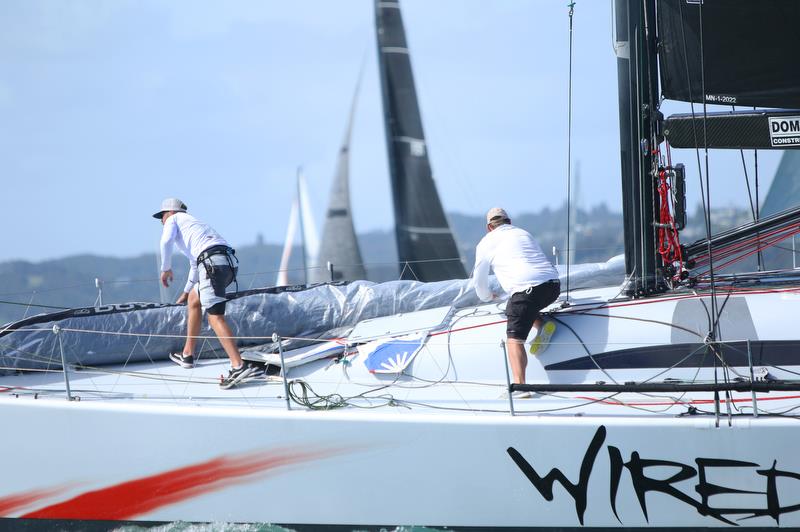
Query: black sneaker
column 237, row 375
column 184, row 361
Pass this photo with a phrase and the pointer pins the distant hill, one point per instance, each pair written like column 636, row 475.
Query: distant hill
column 70, row 281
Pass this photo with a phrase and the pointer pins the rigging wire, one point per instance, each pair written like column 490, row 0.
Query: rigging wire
column 326, row 402
column 571, row 7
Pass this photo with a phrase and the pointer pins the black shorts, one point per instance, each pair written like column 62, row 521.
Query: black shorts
column 523, row 308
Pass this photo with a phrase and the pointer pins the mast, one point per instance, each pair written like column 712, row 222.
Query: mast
column 638, row 99
column 424, row 240
column 339, row 244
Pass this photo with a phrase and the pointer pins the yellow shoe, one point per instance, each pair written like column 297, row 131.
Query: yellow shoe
column 542, row 339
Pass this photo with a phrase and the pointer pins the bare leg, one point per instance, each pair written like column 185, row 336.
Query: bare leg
column 223, row 332
column 194, row 315
column 518, row 359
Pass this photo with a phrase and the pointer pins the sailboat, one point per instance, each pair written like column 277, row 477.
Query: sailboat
column 339, row 256
column 669, row 400
column 300, row 217
column 783, row 194
column 425, row 244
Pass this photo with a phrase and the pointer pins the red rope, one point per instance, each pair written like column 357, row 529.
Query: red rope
column 669, row 245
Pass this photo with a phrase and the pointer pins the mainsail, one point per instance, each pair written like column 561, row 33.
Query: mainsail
column 424, row 240
column 730, row 52
column 339, row 244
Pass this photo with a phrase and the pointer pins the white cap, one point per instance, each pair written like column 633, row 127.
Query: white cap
column 170, row 204
column 496, row 212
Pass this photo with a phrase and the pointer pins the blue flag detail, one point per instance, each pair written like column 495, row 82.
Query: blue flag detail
column 393, row 356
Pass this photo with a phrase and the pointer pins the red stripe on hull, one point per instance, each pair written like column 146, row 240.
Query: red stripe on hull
column 137, row 497
column 13, row 503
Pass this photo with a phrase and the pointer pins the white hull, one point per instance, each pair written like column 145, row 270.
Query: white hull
column 159, row 443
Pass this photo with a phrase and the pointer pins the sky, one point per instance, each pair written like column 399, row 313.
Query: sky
column 108, row 107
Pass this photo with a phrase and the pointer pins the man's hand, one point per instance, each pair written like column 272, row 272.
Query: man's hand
column 166, row 278
column 182, row 298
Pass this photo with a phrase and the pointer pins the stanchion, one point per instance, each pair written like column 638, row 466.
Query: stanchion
column 64, row 366
column 276, row 338
column 508, row 377
column 752, row 379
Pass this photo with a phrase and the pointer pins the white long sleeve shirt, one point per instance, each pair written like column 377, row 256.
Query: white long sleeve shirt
column 516, row 258
column 191, row 237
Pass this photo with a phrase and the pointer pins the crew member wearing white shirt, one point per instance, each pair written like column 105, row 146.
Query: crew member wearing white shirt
column 211, row 270
column 525, row 273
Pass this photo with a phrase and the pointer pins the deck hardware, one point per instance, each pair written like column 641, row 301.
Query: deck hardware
column 64, row 366
column 508, row 377
column 752, row 379
column 284, row 369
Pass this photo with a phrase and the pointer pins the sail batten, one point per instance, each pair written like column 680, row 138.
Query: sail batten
column 425, row 242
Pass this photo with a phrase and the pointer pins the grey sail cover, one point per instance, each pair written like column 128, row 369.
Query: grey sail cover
column 339, row 244
column 424, row 239
column 142, row 332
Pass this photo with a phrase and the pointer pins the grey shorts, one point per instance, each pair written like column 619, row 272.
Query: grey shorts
column 212, row 288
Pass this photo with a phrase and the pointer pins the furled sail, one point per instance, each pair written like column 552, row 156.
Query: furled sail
column 746, row 55
column 424, row 240
column 149, row 331
column 339, row 244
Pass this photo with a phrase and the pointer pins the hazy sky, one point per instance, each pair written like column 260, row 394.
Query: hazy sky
column 106, row 107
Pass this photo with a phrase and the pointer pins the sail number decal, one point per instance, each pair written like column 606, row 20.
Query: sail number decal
column 642, row 482
column 784, row 131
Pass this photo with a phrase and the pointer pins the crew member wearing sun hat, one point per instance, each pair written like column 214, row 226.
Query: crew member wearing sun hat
column 212, row 268
column 525, row 273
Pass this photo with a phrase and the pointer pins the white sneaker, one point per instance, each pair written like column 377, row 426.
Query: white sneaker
column 542, row 339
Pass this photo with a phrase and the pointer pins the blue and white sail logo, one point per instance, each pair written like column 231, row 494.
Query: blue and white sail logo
column 393, row 355
column 784, row 131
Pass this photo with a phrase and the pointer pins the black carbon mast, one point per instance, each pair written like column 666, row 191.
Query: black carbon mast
column 425, row 243
column 638, row 121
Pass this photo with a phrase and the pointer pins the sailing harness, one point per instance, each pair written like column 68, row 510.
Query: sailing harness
column 210, row 267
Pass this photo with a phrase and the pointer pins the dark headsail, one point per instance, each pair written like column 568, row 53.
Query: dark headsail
column 339, row 244
column 424, row 239
column 747, row 55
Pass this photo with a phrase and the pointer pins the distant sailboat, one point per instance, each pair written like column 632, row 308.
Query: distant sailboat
column 424, row 240
column 339, row 244
column 299, row 215
column 783, row 194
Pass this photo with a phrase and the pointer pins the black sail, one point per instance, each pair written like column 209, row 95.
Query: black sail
column 339, row 244
column 749, row 51
column 425, row 244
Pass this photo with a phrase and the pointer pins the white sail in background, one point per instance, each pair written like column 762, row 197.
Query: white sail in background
column 300, row 214
column 308, row 224
column 291, row 229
